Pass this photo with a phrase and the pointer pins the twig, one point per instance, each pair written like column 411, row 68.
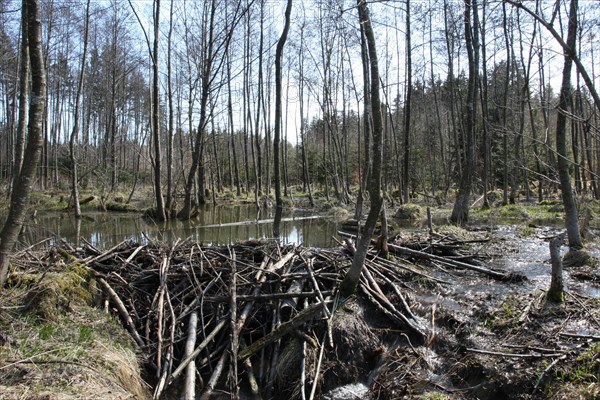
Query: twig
column 594, row 338
column 585, row 308
column 513, row 355
column 543, row 375
column 233, row 380
column 212, row 382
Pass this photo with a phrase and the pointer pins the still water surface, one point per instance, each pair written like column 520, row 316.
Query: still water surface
column 105, row 230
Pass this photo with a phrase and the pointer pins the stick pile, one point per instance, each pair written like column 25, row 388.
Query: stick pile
column 222, row 313
column 194, row 308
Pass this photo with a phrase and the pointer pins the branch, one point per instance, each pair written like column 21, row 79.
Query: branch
column 567, row 50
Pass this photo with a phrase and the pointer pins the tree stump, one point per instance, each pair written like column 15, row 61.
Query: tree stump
column 555, row 293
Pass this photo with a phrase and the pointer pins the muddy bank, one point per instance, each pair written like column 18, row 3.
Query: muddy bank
column 419, row 327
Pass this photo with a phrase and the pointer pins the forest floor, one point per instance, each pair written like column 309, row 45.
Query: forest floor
column 484, row 338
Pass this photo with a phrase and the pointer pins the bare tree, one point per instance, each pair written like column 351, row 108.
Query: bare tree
column 460, row 212
column 10, row 231
column 566, row 48
column 75, row 131
column 407, row 109
column 278, row 112
column 571, row 215
column 160, row 205
column 348, row 285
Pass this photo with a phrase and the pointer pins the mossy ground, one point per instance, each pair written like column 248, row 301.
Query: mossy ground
column 54, row 344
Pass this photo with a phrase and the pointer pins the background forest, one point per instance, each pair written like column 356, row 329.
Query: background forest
column 214, row 89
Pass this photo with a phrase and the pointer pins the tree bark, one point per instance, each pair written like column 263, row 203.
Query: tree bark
column 18, row 201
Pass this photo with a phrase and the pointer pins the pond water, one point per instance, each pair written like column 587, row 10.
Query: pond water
column 214, row 225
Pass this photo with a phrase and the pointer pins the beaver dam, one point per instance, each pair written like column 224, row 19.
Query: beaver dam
column 263, row 321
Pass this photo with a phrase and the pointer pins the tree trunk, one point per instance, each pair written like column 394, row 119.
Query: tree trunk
column 367, row 126
column 236, row 168
column 348, row 285
column 23, row 98
column 198, row 146
column 507, row 46
column 18, row 201
column 160, row 205
column 278, row 112
column 555, row 293
column 460, row 212
column 571, row 221
column 169, row 204
column 407, row 107
column 75, row 132
column 485, row 142
column 305, row 171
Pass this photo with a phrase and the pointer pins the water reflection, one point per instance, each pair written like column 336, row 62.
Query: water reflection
column 108, row 229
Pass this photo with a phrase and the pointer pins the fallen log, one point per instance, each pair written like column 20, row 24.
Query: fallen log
column 257, row 222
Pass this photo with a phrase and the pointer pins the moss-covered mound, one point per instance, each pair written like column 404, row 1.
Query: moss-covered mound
column 409, row 212
column 55, row 345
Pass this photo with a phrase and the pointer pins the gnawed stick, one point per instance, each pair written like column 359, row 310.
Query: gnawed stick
column 197, row 351
column 545, row 372
column 595, row 338
column 381, row 299
column 514, row 355
column 233, row 333
column 163, row 377
column 122, row 310
column 267, row 296
column 252, row 383
column 100, row 257
column 190, row 371
column 214, row 379
column 261, row 277
column 134, row 253
column 162, row 290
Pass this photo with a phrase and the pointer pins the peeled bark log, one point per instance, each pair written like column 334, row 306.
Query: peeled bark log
column 190, row 371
